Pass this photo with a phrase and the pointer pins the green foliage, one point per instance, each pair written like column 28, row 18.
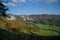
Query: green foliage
column 29, row 27
column 48, row 30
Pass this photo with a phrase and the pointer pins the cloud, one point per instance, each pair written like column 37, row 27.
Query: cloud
column 45, row 1
column 15, row 1
column 11, row 4
column 51, row 1
column 23, row 1
column 4, row 3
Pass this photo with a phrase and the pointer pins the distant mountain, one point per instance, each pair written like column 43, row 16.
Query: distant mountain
column 44, row 18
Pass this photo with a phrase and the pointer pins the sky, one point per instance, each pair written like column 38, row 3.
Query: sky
column 28, row 7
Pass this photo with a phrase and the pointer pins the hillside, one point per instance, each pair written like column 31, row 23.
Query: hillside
column 29, row 20
column 30, row 26
column 43, row 18
column 19, row 29
column 21, row 26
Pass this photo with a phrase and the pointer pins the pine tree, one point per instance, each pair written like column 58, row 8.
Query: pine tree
column 3, row 10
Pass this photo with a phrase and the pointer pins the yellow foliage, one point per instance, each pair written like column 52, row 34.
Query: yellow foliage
column 21, row 26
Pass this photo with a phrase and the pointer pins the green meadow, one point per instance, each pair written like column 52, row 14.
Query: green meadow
column 47, row 30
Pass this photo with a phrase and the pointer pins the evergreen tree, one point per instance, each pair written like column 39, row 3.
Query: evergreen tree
column 3, row 10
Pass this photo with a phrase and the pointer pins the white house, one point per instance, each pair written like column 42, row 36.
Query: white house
column 29, row 18
column 11, row 17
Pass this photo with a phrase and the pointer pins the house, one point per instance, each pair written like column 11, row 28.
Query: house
column 11, row 17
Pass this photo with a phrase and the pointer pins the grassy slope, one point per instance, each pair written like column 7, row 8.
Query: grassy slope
column 43, row 30
column 48, row 30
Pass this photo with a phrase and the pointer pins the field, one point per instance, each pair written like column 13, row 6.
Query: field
column 30, row 27
column 48, row 30
column 23, row 30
